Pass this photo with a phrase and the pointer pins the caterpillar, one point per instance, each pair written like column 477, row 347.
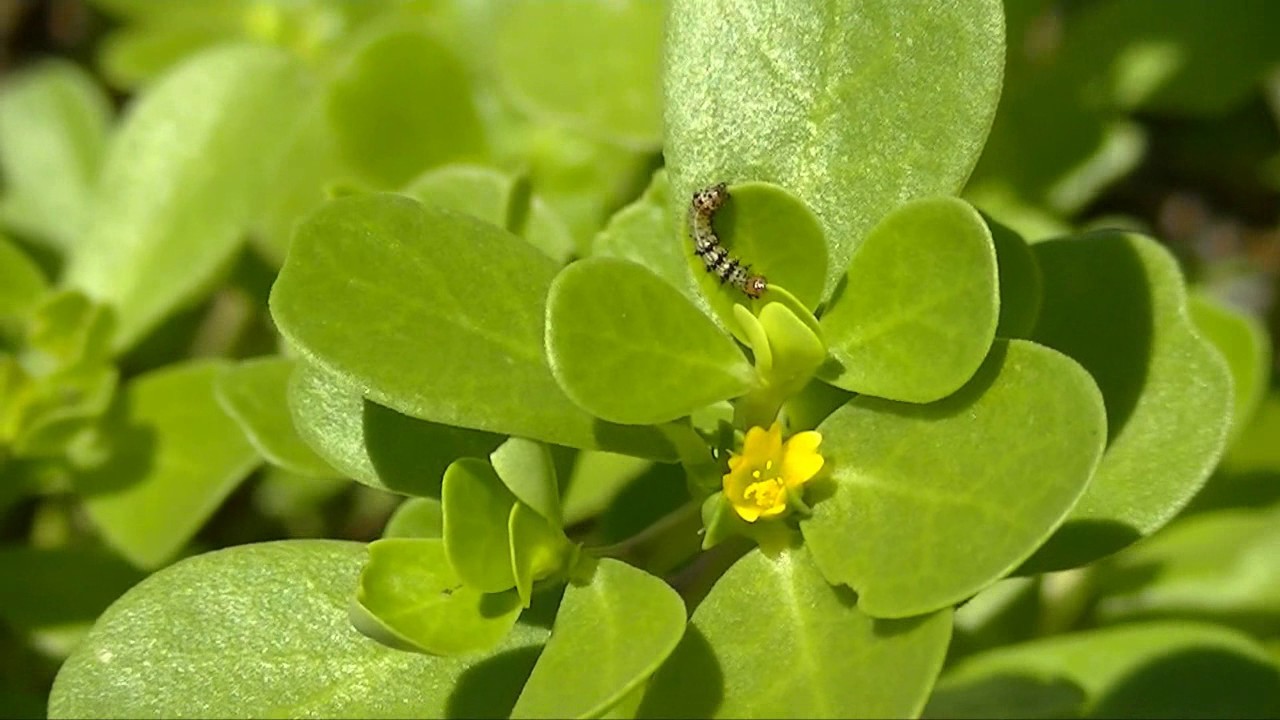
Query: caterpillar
column 707, row 246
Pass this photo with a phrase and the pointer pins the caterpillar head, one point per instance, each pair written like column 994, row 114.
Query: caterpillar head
column 710, row 198
column 755, row 286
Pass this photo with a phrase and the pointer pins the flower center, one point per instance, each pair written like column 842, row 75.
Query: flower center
column 767, row 490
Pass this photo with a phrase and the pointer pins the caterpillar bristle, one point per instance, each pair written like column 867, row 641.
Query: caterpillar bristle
column 706, row 245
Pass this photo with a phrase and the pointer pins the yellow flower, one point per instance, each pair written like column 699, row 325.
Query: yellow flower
column 768, row 470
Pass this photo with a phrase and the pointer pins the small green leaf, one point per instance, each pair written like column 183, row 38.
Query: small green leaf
column 477, row 507
column 411, row 588
column 1139, row 670
column 961, row 490
column 855, row 108
column 1244, row 344
column 416, row 518
column 254, row 393
column 529, row 471
column 1020, row 283
column 22, row 283
column 53, row 128
column 628, row 348
column 182, row 180
column 402, row 103
column 537, row 549
column 1115, row 302
column 611, row 633
column 773, row 639
column 919, row 307
column 373, row 444
column 411, row 304
column 616, row 96
column 263, row 631
column 774, row 232
column 499, row 199
column 172, row 456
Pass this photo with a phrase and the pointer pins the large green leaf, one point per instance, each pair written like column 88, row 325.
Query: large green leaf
column 920, row 305
column 773, row 639
column 959, row 491
column 254, row 393
column 1139, row 670
column 611, row 633
column 629, row 348
column 373, row 444
column 53, row 127
column 183, row 178
column 1116, row 303
column 437, row 315
column 263, row 630
column 402, row 103
column 616, row 95
column 172, row 455
column 855, row 107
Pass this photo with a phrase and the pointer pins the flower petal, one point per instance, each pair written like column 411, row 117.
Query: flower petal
column 761, row 445
column 800, row 459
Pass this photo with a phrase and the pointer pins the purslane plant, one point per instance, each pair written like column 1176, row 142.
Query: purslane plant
column 918, row 406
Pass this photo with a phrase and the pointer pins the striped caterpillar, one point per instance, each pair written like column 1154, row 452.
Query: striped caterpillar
column 707, row 246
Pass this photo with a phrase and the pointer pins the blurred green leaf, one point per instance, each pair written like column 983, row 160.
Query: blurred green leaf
column 773, row 639
column 961, row 490
column 597, row 478
column 1140, row 670
column 616, row 96
column 373, row 444
column 476, row 507
column 410, row 586
column 40, row 597
column 1115, row 302
column 262, row 630
column 53, row 129
column 920, row 307
column 402, row 103
column 416, row 518
column 437, row 300
column 1246, row 347
column 183, row 177
column 499, row 199
column 22, row 282
column 254, row 394
column 612, row 632
column 171, row 456
column 628, row 348
column 854, row 108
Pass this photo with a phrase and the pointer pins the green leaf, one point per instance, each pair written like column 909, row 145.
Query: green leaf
column 1216, row 566
column 628, row 348
column 410, row 586
column 773, row 231
column 53, row 127
column 773, row 639
column 612, row 632
column 1020, row 283
column 1246, row 347
column 171, row 457
column 402, row 103
column 373, row 444
column 538, row 549
column 961, row 490
column 854, row 108
column 1139, row 670
column 616, row 95
column 476, row 507
column 42, row 599
column 183, row 178
column 1115, row 302
column 263, row 630
column 416, row 518
column 499, row 199
column 436, row 315
column 529, row 471
column 22, row 282
column 643, row 233
column 254, row 394
column 596, row 480
column 920, row 305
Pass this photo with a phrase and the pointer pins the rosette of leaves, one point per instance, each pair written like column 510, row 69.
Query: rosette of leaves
column 986, row 407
